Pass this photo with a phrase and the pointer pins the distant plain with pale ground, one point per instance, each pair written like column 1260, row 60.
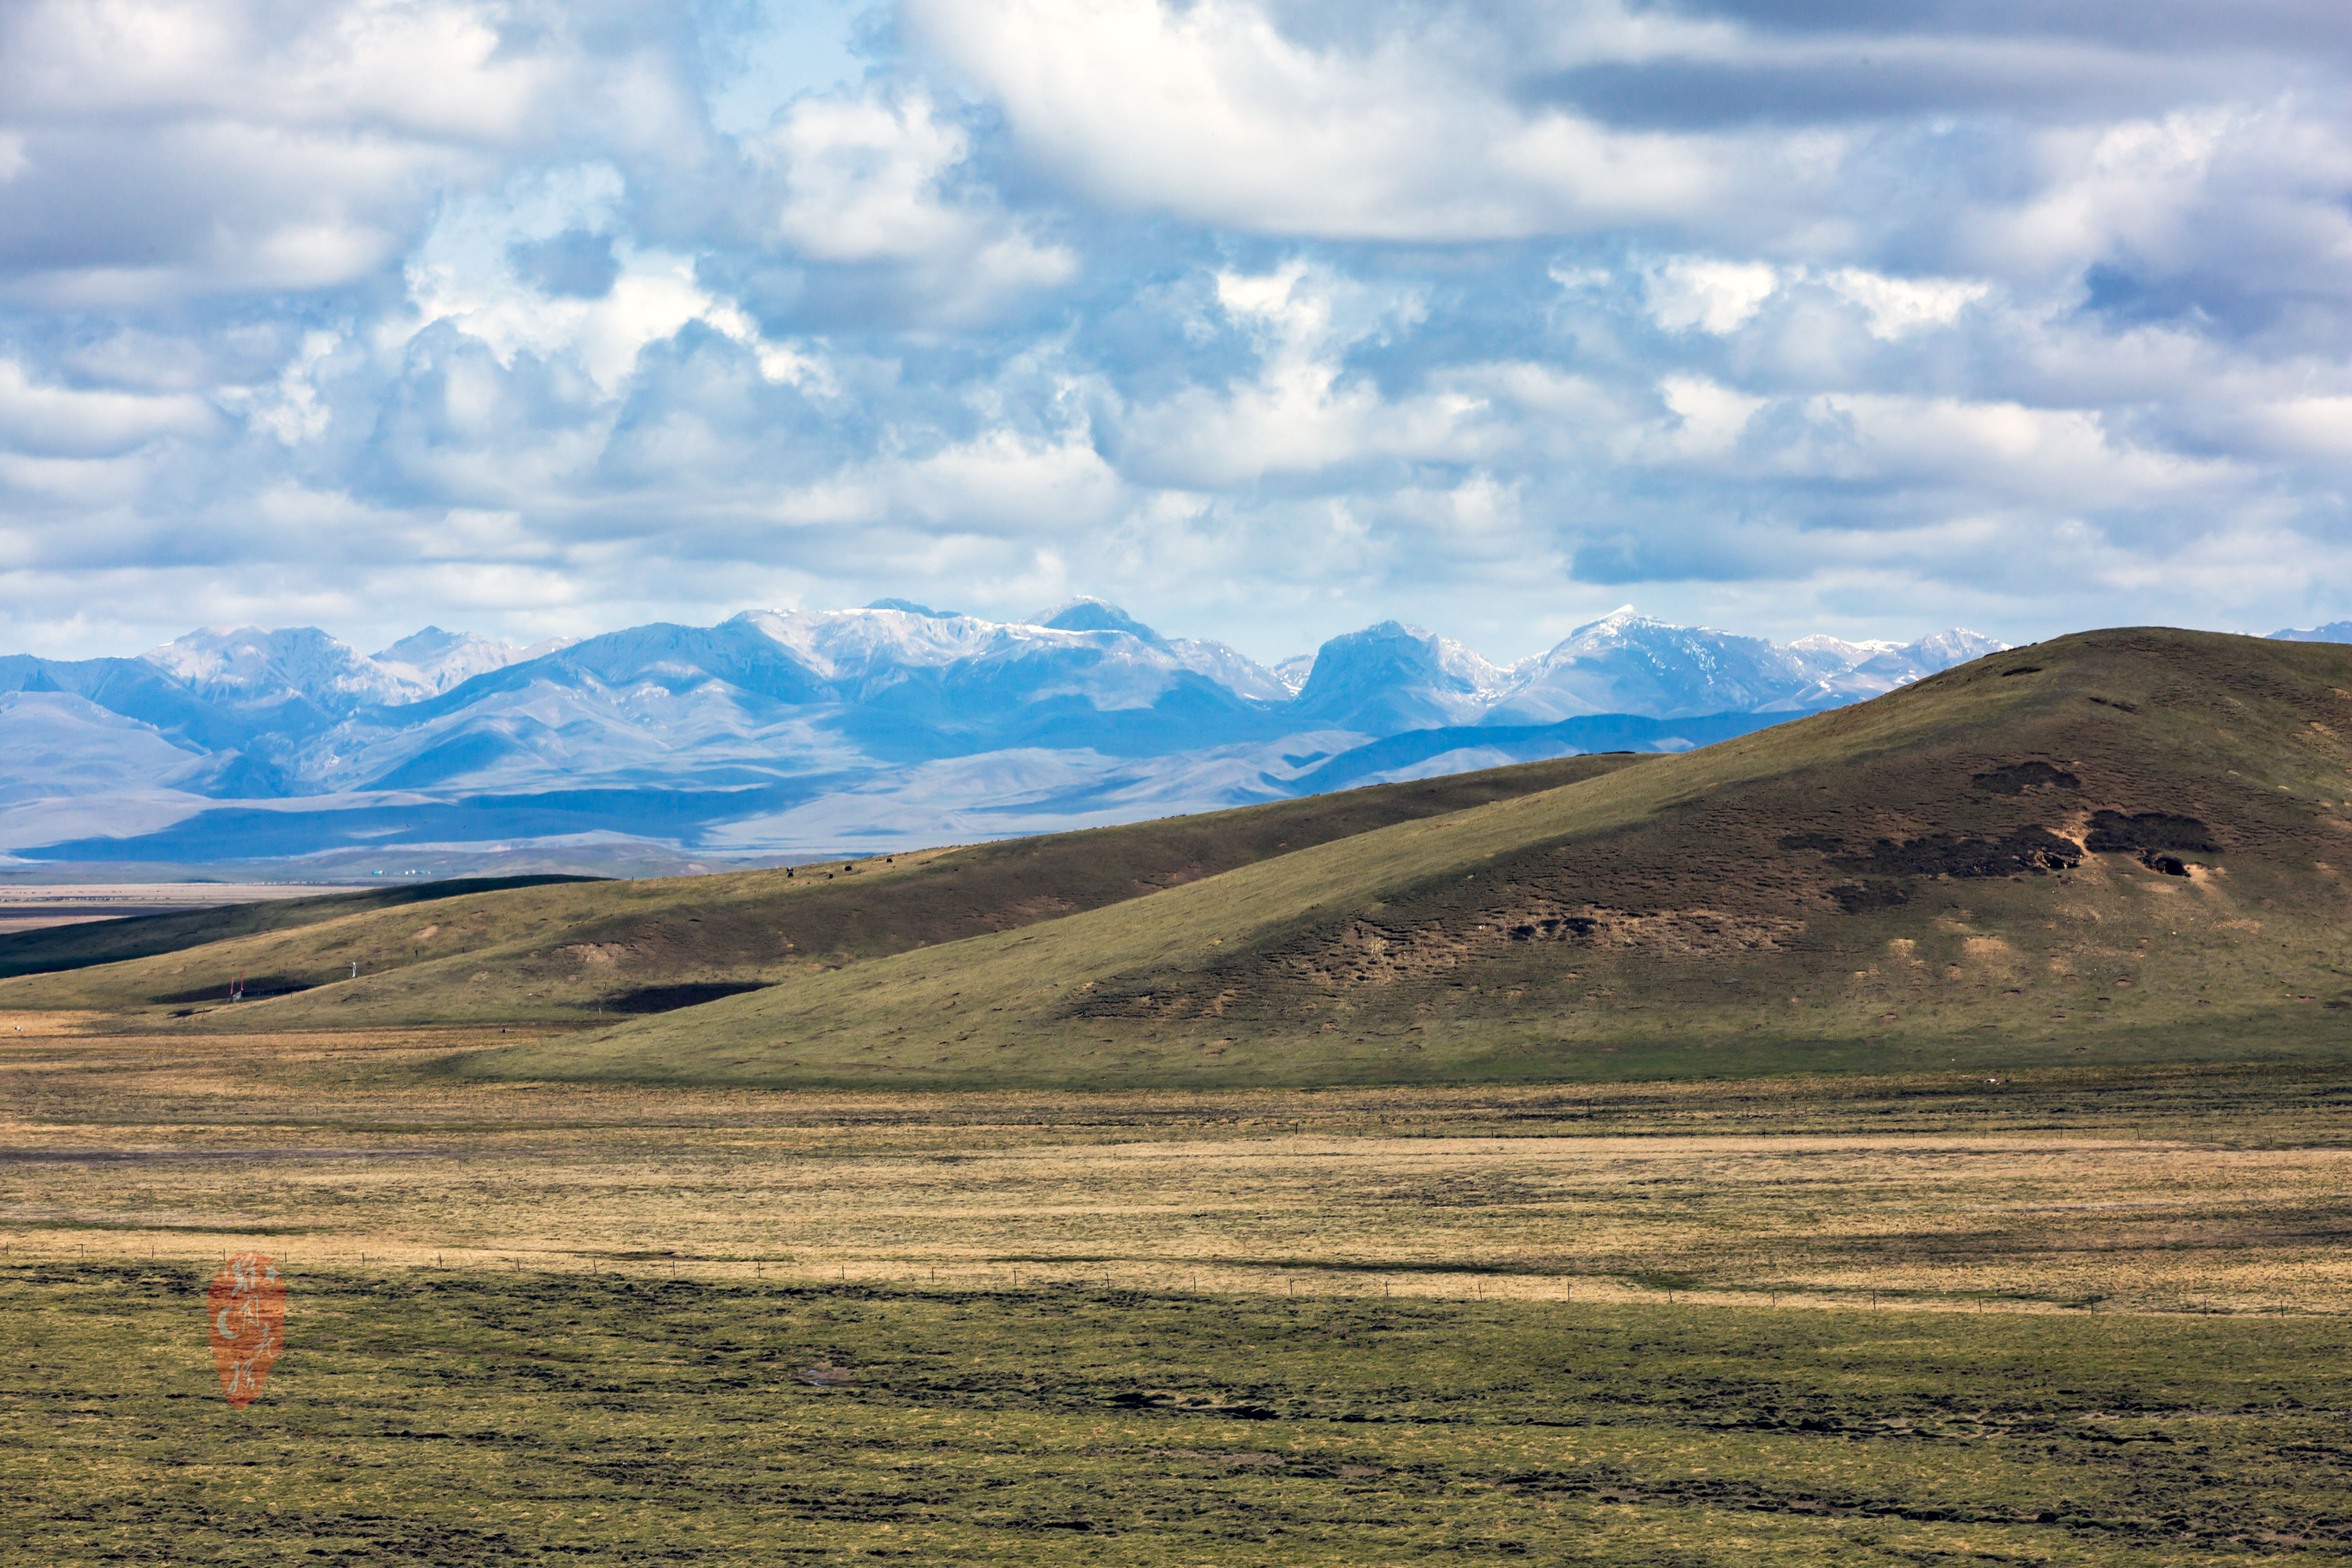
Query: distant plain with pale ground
column 36, row 906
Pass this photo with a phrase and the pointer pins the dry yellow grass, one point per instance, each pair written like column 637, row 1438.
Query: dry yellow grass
column 2112, row 1326
column 2172, row 1190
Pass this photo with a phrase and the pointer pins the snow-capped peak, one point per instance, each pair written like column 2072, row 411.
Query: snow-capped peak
column 434, row 660
column 1087, row 614
column 1837, row 652
column 1399, row 677
column 1943, row 650
column 1615, row 624
column 914, row 658
column 1627, row 662
column 247, row 665
column 908, row 607
column 1237, row 673
column 847, row 645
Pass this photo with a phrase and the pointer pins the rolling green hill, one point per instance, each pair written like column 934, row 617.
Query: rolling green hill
column 2119, row 845
column 566, row 952
column 55, row 947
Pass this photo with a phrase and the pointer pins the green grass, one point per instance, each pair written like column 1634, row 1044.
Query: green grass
column 1618, row 1324
column 571, row 953
column 1789, row 900
column 446, row 1417
column 1863, row 890
column 59, row 948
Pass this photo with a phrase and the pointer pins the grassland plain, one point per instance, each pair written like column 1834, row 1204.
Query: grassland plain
column 2094, row 1315
column 2216, row 1188
column 461, row 1417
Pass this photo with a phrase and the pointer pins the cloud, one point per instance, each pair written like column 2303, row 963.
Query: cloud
column 535, row 269
column 867, row 179
column 2309, row 426
column 1718, row 297
column 1212, row 112
column 1270, row 317
column 1708, row 417
column 291, row 409
column 576, row 264
column 138, row 176
column 861, row 179
column 1300, row 412
column 1898, row 307
column 164, row 148
column 60, row 421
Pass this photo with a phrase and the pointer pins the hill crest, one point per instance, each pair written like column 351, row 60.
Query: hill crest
column 2104, row 843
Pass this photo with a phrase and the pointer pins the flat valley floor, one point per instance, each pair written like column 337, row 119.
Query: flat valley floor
column 2076, row 1316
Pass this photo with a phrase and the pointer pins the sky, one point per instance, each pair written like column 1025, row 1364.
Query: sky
column 1265, row 319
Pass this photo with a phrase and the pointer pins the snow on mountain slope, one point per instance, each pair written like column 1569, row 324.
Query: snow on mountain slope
column 1627, row 663
column 1107, row 670
column 134, row 689
column 970, row 674
column 1828, row 654
column 246, row 668
column 795, row 729
column 1395, row 677
column 432, row 660
column 1945, row 650
column 1900, row 666
column 2334, row 631
column 846, row 649
column 551, row 734
column 1235, row 672
column 1087, row 614
column 1238, row 674
column 778, row 694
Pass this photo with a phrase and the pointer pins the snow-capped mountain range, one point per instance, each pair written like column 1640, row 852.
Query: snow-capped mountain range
column 791, row 731
column 2334, row 631
column 248, row 669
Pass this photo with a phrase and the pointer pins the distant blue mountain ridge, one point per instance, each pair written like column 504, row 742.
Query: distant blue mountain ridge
column 782, row 731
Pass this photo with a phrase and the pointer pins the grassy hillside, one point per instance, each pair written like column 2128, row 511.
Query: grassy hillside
column 566, row 952
column 2125, row 844
column 57, row 948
